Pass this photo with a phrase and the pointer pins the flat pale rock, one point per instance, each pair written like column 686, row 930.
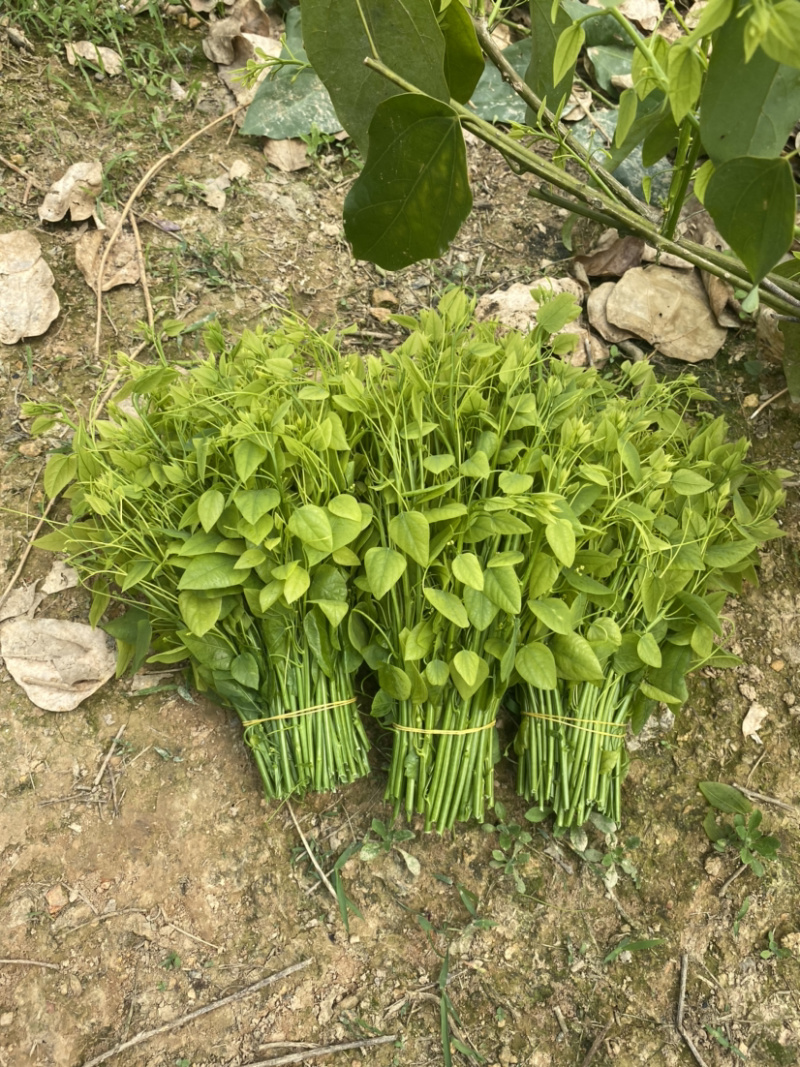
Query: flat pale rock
column 57, row 663
column 28, row 301
column 106, row 59
column 596, row 313
column 516, row 307
column 669, row 309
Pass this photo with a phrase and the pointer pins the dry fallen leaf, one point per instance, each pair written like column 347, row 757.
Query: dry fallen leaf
column 205, row 7
column 122, row 266
column 213, row 191
column 57, row 663
column 596, row 313
column 23, row 601
column 287, row 155
column 56, row 899
column 665, row 259
column 75, row 192
column 612, row 255
column 577, row 106
column 754, row 720
column 669, row 309
column 28, row 301
column 645, row 13
column 589, row 351
column 105, row 58
column 245, row 17
column 769, row 337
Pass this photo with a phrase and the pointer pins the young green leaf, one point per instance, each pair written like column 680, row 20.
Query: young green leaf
column 567, row 51
column 384, row 568
column 209, row 508
column 410, row 532
column 725, row 798
column 467, row 569
column 448, row 605
column 536, row 664
column 469, row 671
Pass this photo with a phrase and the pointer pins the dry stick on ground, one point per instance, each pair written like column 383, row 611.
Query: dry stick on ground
column 598, row 1041
column 145, row 1035
column 99, row 776
column 325, row 880
column 32, row 963
column 726, row 886
column 149, row 175
column 679, row 1013
column 753, row 795
column 767, row 402
column 151, row 322
column 322, row 1050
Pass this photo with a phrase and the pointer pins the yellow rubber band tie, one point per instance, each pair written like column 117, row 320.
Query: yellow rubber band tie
column 446, row 733
column 303, row 711
column 577, row 724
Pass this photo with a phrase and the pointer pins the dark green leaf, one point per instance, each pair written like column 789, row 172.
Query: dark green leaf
column 752, row 201
column 244, row 669
column 413, row 193
column 406, row 37
column 545, row 34
column 463, row 58
column 749, row 109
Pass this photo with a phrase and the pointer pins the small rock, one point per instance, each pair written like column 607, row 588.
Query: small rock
column 32, row 448
column 714, row 866
column 777, row 665
column 7, row 1018
column 750, row 401
column 789, row 699
column 381, row 314
column 56, row 899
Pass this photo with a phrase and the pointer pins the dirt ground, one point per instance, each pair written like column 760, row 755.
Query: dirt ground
column 171, row 884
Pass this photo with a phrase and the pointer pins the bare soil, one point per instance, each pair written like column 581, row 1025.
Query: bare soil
column 173, row 884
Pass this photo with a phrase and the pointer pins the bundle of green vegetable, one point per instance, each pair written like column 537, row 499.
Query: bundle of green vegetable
column 670, row 518
column 470, row 517
column 535, row 530
column 219, row 509
column 453, row 446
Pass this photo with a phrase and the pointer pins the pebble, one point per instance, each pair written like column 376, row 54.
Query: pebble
column 777, row 665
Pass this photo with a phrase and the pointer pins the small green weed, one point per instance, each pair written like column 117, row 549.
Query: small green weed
column 172, row 962
column 773, row 951
column 744, row 833
column 387, row 838
column 512, row 852
column 719, row 1036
